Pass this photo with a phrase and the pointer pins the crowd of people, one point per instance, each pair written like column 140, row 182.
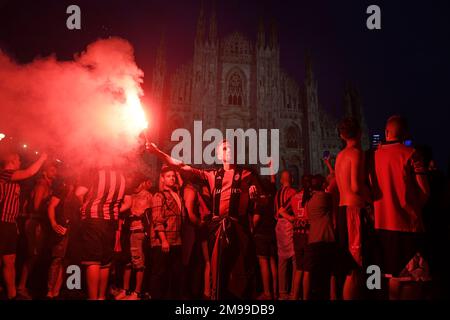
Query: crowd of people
column 227, row 233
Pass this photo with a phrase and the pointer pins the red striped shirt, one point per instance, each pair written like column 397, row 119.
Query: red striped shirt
column 282, row 199
column 9, row 197
column 106, row 192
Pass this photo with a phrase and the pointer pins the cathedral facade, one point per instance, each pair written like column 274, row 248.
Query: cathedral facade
column 232, row 82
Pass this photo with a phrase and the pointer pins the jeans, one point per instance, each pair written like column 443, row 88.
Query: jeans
column 283, row 275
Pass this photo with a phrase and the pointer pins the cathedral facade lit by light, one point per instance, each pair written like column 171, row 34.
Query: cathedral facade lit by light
column 233, row 82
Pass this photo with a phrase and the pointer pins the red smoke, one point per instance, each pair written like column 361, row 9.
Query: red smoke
column 86, row 109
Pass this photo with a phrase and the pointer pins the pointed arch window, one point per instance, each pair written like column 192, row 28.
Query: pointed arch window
column 235, row 90
column 293, row 137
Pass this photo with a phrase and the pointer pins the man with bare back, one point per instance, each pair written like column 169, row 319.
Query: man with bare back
column 354, row 194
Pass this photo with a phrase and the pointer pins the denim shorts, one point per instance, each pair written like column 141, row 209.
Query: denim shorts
column 137, row 250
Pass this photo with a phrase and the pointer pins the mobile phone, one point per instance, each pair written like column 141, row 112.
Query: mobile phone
column 326, row 155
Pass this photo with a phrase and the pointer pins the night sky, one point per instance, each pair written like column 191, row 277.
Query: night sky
column 402, row 68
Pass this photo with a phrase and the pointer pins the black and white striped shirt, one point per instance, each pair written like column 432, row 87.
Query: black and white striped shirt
column 9, row 197
column 230, row 189
column 106, row 192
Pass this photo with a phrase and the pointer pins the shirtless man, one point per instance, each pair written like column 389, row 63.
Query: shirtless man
column 353, row 197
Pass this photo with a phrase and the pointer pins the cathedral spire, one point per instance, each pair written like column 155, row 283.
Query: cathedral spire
column 352, row 101
column 353, row 107
column 308, row 67
column 347, row 99
column 213, row 24
column 200, row 34
column 261, row 37
column 273, row 40
column 159, row 71
column 161, row 53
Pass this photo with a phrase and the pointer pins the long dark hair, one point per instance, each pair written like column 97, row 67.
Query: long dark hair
column 306, row 187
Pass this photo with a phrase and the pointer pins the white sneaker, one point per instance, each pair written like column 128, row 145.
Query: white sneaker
column 132, row 296
column 121, row 295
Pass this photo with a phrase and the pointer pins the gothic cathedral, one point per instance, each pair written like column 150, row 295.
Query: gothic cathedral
column 232, row 82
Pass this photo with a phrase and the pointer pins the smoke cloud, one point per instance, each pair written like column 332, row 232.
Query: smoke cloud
column 84, row 110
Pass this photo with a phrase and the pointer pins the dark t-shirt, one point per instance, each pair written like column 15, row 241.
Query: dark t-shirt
column 41, row 212
column 265, row 207
column 68, row 210
column 319, row 210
